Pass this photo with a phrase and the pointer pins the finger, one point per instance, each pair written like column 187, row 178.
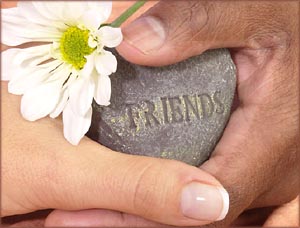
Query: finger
column 160, row 190
column 247, row 155
column 285, row 216
column 255, row 217
column 175, row 30
column 163, row 191
column 255, row 152
column 45, row 172
column 97, row 218
column 252, row 140
column 248, row 146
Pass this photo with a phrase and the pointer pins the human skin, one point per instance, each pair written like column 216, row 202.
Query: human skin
column 257, row 159
column 38, row 175
column 258, row 152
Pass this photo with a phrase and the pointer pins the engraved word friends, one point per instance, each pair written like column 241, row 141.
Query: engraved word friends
column 174, row 110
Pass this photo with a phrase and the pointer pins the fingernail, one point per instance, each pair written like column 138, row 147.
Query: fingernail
column 204, row 202
column 146, row 34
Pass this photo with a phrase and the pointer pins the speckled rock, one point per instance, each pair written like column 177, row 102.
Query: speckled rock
column 175, row 112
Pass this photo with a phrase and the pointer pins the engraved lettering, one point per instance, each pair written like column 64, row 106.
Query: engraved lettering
column 220, row 108
column 207, row 105
column 179, row 109
column 165, row 109
column 175, row 105
column 190, row 107
column 149, row 115
column 132, row 123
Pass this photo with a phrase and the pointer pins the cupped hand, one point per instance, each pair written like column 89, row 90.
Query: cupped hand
column 41, row 170
column 257, row 159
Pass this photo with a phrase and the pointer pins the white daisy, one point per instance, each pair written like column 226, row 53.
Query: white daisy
column 68, row 67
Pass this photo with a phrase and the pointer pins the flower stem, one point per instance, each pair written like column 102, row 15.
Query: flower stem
column 130, row 11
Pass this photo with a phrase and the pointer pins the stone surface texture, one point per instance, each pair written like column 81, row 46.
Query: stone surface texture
column 175, row 112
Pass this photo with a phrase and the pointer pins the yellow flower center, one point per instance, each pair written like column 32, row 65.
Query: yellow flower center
column 74, row 46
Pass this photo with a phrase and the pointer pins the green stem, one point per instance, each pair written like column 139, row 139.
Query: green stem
column 129, row 12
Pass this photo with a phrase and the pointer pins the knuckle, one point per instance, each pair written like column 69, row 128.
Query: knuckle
column 156, row 185
column 269, row 26
column 145, row 187
column 195, row 19
column 191, row 18
column 148, row 189
column 269, row 38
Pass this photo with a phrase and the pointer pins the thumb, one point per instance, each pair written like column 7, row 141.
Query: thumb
column 172, row 31
column 160, row 190
column 164, row 191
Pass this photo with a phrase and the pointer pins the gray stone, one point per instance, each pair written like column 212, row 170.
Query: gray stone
column 175, row 112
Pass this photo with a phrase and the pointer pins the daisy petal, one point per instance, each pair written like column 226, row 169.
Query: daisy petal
column 75, row 127
column 29, row 11
column 7, row 67
column 103, row 7
column 61, row 105
column 48, row 13
column 81, row 95
column 25, row 24
column 32, row 56
column 110, row 37
column 103, row 90
column 92, row 19
column 42, row 8
column 32, row 77
column 89, row 66
column 23, row 69
column 40, row 101
column 57, row 9
column 8, row 37
column 106, row 63
column 12, row 14
column 92, row 42
column 24, row 78
column 27, row 32
column 74, row 10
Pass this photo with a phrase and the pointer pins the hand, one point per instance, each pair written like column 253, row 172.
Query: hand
column 41, row 170
column 257, row 157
